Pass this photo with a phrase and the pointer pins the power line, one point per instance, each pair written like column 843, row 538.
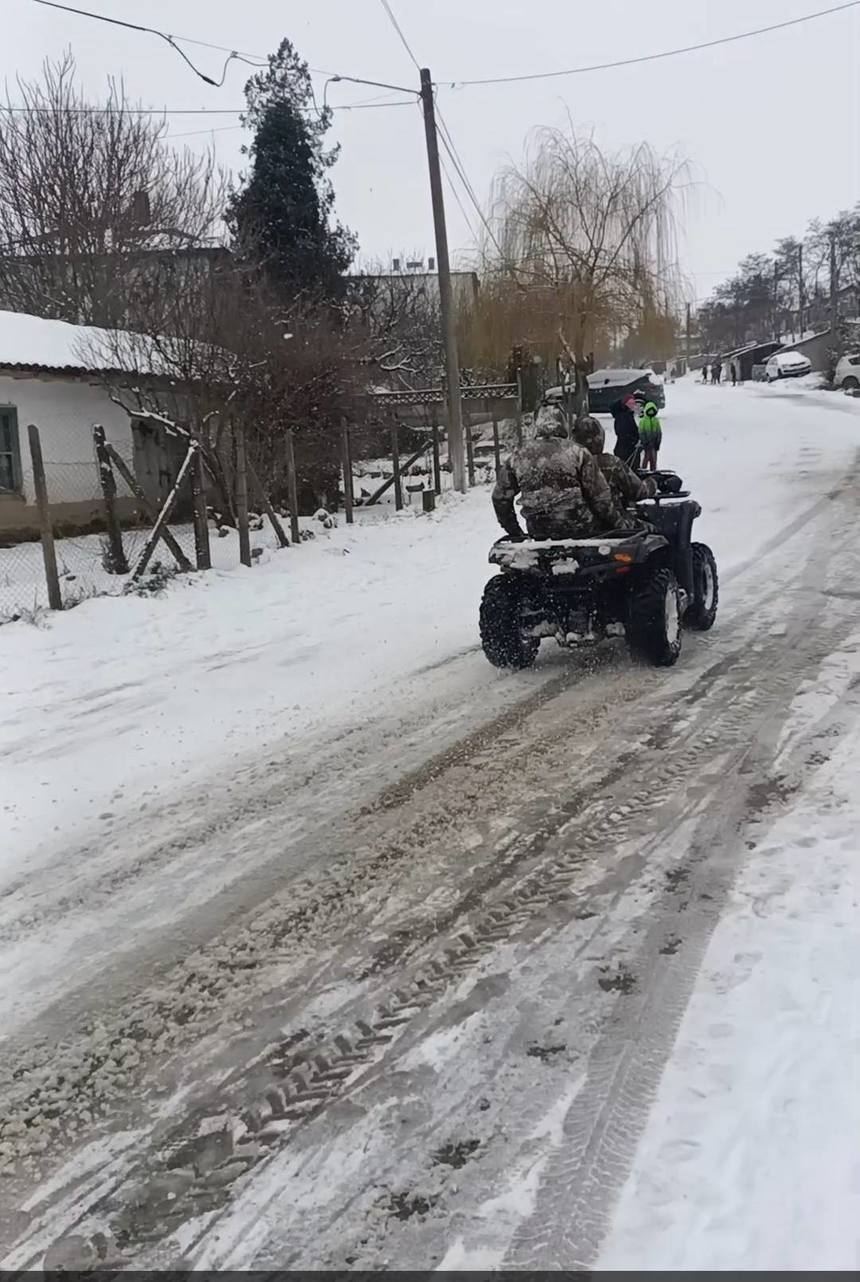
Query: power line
column 653, row 57
column 183, row 111
column 397, row 27
column 445, row 138
column 232, row 54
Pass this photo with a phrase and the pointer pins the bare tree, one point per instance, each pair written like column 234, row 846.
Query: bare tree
column 394, row 321
column 583, row 247
column 98, row 213
column 234, row 354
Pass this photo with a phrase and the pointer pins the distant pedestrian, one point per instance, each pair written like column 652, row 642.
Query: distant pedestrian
column 716, row 372
column 733, row 369
column 650, row 437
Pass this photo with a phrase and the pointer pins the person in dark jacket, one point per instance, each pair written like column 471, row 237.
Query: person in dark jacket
column 563, row 492
column 626, row 430
column 625, row 486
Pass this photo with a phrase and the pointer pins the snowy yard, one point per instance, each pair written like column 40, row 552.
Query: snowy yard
column 328, row 671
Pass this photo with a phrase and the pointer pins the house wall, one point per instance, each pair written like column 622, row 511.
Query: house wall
column 64, row 409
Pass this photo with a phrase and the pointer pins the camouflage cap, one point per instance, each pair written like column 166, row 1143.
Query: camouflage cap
column 590, row 434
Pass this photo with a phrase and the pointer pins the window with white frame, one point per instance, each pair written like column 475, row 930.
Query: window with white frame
column 10, row 450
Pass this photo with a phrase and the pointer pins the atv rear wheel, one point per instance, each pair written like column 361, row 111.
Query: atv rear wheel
column 706, row 589
column 654, row 619
column 501, row 626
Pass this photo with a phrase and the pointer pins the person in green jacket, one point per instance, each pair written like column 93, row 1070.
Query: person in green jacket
column 650, row 436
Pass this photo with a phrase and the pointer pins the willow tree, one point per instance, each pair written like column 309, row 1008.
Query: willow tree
column 583, row 249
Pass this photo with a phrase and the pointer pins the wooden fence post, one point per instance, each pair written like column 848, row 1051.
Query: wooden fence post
column 292, row 489
column 519, row 407
column 202, row 550
column 346, row 459
column 497, row 449
column 242, row 497
column 118, row 562
column 49, row 554
column 395, row 461
column 470, row 449
column 437, row 465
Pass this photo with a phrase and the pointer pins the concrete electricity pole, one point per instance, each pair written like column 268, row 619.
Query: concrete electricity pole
column 800, row 290
column 689, row 332
column 456, row 450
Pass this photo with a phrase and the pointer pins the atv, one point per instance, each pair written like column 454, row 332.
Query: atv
column 645, row 585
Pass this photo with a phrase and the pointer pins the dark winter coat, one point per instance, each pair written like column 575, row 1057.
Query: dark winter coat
column 563, row 492
column 626, row 431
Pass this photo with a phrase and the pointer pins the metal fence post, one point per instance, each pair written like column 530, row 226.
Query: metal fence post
column 49, row 554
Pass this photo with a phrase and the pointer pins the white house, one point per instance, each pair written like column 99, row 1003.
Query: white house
column 51, row 375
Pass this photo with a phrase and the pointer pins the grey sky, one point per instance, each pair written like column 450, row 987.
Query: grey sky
column 772, row 125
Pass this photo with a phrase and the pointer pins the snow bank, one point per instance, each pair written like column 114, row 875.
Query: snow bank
column 749, row 1160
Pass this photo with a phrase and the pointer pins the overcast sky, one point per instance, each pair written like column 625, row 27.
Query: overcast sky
column 772, row 124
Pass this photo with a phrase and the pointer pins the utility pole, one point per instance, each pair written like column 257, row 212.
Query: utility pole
column 800, row 291
column 456, row 450
column 775, row 334
column 689, row 337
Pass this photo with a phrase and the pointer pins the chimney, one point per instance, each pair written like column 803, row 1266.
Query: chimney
column 395, row 264
column 431, row 264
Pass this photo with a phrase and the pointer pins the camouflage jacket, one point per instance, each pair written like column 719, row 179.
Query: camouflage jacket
column 564, row 494
column 625, row 486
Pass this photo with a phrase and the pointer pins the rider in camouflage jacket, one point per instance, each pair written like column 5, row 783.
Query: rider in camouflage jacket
column 564, row 494
column 625, row 485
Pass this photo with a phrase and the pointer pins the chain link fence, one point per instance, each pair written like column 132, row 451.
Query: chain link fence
column 78, row 519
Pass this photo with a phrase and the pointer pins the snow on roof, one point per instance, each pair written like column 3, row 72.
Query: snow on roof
column 35, row 343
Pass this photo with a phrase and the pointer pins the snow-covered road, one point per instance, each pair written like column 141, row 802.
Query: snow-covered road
column 324, row 944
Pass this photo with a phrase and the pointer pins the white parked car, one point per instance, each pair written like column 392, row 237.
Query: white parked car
column 787, row 365
column 847, row 374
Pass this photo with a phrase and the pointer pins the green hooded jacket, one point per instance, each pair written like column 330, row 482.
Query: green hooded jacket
column 650, row 428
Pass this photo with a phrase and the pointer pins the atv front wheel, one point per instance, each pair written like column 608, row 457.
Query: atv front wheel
column 654, row 619
column 501, row 627
column 706, row 589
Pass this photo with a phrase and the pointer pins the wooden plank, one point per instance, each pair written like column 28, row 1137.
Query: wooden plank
column 118, row 562
column 164, row 515
column 150, row 508
column 377, row 494
column 49, row 555
column 275, row 523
